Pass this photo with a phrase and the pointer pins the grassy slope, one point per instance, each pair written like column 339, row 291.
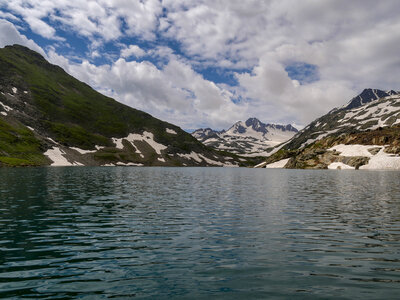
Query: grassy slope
column 19, row 147
column 75, row 114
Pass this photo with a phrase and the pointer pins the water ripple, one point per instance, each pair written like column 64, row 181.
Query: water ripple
column 198, row 233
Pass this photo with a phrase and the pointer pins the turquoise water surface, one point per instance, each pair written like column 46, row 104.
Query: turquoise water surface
column 199, row 233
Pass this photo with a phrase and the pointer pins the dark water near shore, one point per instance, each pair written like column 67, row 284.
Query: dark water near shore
column 199, row 233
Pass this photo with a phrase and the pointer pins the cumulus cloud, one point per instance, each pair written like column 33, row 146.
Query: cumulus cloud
column 93, row 18
column 9, row 35
column 133, row 50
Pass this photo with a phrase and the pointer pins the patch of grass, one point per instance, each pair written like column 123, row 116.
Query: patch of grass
column 18, row 146
column 15, row 162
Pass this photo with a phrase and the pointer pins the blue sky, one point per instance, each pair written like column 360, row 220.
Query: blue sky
column 211, row 63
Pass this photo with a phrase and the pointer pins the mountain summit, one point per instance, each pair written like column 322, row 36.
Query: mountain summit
column 47, row 117
column 366, row 96
column 250, row 138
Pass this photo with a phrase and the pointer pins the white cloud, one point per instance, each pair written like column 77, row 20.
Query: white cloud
column 9, row 35
column 353, row 44
column 133, row 50
column 9, row 16
column 92, row 18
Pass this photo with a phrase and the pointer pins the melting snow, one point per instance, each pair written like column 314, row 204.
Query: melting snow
column 161, row 159
column 354, row 150
column 340, row 166
column 261, row 165
column 210, row 161
column 130, row 164
column 279, row 164
column 170, row 131
column 6, row 107
column 191, row 156
column 308, row 142
column 56, row 155
column 15, row 90
column 379, row 161
column 51, row 140
column 81, row 151
column 4, row 113
column 199, row 158
column 30, row 128
column 147, row 137
column 382, row 161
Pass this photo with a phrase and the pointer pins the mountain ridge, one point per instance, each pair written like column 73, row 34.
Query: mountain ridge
column 365, row 122
column 249, row 138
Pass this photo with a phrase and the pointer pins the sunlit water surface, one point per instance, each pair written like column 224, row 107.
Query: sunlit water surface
column 199, row 233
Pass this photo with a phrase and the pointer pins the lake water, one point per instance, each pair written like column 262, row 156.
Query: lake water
column 199, row 233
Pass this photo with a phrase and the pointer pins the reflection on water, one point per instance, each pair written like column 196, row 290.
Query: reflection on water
column 199, row 233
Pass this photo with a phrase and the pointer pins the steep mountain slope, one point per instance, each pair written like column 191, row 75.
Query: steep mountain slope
column 364, row 121
column 47, row 117
column 250, row 138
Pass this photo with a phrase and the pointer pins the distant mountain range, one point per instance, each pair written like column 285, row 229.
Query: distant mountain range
column 369, row 121
column 250, row 138
column 47, row 117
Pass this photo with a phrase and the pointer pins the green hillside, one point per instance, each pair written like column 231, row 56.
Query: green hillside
column 67, row 111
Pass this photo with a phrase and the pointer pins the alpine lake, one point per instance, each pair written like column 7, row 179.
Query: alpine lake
column 198, row 233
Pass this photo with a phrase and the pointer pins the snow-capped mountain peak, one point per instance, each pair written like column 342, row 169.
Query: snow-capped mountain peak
column 364, row 112
column 252, row 137
column 366, row 96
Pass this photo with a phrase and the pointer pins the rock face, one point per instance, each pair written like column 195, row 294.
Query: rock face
column 366, row 130
column 250, row 138
column 367, row 96
column 47, row 117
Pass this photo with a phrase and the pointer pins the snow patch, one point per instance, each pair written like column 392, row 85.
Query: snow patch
column 354, row 150
column 191, row 156
column 379, row 161
column 170, row 131
column 382, row 161
column 3, row 113
column 30, row 128
column 51, row 140
column 81, row 151
column 56, row 156
column 15, row 90
column 308, row 142
column 161, row 159
column 130, row 164
column 6, row 107
column 211, row 162
column 261, row 165
column 147, row 137
column 25, row 92
column 340, row 166
column 278, row 164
